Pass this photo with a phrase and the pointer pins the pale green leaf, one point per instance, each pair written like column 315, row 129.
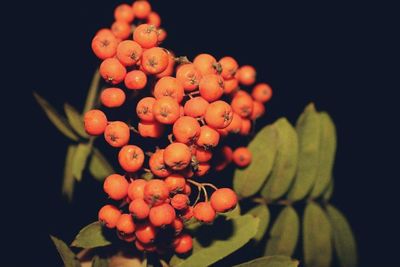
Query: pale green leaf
column 99, row 262
column 68, row 257
column 69, row 181
column 271, row 261
column 91, row 236
column 261, row 212
column 329, row 191
column 233, row 213
column 75, row 120
column 80, row 158
column 99, row 167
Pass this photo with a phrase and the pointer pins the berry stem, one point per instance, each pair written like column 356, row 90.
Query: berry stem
column 133, row 129
column 170, row 138
column 210, row 185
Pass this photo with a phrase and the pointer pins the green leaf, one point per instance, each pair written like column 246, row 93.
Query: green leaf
column 285, row 165
column 99, row 262
column 284, row 233
column 261, row 212
column 91, row 236
column 58, row 120
column 81, row 155
column 75, row 120
column 271, row 261
column 99, row 167
column 329, row 191
column 68, row 257
column 343, row 238
column 327, row 151
column 248, row 181
column 93, row 92
column 244, row 229
column 317, row 241
column 308, row 130
column 233, row 213
column 69, row 181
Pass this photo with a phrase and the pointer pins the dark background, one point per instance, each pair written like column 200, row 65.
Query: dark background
column 339, row 55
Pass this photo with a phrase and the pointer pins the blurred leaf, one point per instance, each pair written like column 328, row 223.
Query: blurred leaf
column 248, row 181
column 308, row 130
column 271, row 261
column 68, row 257
column 233, row 213
column 285, row 165
column 75, row 120
column 81, row 155
column 91, row 236
column 261, row 212
column 343, row 238
column 329, row 191
column 99, row 167
column 284, row 233
column 92, row 93
column 317, row 242
column 69, row 181
column 327, row 151
column 244, row 228
column 58, row 120
column 99, row 262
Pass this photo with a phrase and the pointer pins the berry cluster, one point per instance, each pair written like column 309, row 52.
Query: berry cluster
column 194, row 105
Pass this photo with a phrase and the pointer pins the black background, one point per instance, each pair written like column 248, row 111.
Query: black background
column 340, row 55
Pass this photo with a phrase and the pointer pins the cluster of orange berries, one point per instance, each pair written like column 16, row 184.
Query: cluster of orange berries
column 196, row 104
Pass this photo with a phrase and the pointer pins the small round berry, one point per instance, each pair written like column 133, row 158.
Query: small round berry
column 155, row 192
column 203, row 155
column 124, row 13
column 112, row 97
column 258, row 110
column 186, row 214
column 242, row 156
column 218, row 114
column 131, row 158
column 196, row 107
column 204, row 212
column 155, row 60
column 136, row 189
column 151, row 129
column 117, row 134
column 208, row 137
column 177, row 156
column 141, row 9
column 112, row 71
column 189, row 76
column 235, row 125
column 186, row 130
column 242, row 104
column 230, row 86
column 109, row 215
column 169, row 86
column 116, row 186
column 175, row 182
column 125, row 224
column 129, row 52
column 154, row 19
column 157, row 165
column 162, row 215
column 223, row 200
column 183, row 244
column 144, row 109
column 139, row 209
column 211, row 87
column 177, row 225
column 104, row 45
column 246, row 127
column 262, row 92
column 166, row 110
column 206, row 64
column 121, row 29
column 145, row 233
column 180, row 201
column 229, row 67
column 246, row 75
column 203, row 168
column 95, row 122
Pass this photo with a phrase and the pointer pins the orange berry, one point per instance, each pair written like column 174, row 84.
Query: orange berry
column 124, row 13
column 183, row 244
column 157, row 165
column 230, row 85
column 211, row 87
column 155, row 60
column 145, row 233
column 218, row 114
column 222, row 158
column 186, row 130
column 95, row 122
column 195, row 107
column 155, row 192
column 203, row 168
column 129, row 52
column 145, row 35
column 144, row 109
column 104, row 45
column 141, row 9
column 180, row 201
column 151, row 129
column 187, row 190
column 206, row 64
column 166, row 110
column 131, row 158
column 186, row 214
column 169, row 86
column 177, row 156
column 189, row 76
column 242, row 156
column 246, row 75
column 112, row 97
column 154, row 19
column 145, row 247
column 136, row 189
column 223, row 132
column 112, row 71
column 175, row 182
column 117, row 134
column 116, row 186
column 125, row 224
column 135, row 80
column 127, row 238
column 177, row 225
column 109, row 215
column 258, row 110
column 204, row 212
column 229, row 67
column 162, row 215
column 223, row 200
column 208, row 137
column 246, row 127
column 235, row 125
column 262, row 92
column 203, row 155
column 161, row 35
column 242, row 104
column 139, row 208
column 169, row 70
column 121, row 29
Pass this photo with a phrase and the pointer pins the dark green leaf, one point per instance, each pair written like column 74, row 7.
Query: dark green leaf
column 68, row 257
column 248, row 181
column 271, row 261
column 99, row 262
column 327, row 151
column 92, row 93
column 308, row 131
column 75, row 120
column 343, row 238
column 69, row 181
column 244, row 229
column 284, row 233
column 317, row 241
column 284, row 168
column 58, row 120
column 329, row 191
column 81, row 155
column 261, row 212
column 99, row 167
column 91, row 236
